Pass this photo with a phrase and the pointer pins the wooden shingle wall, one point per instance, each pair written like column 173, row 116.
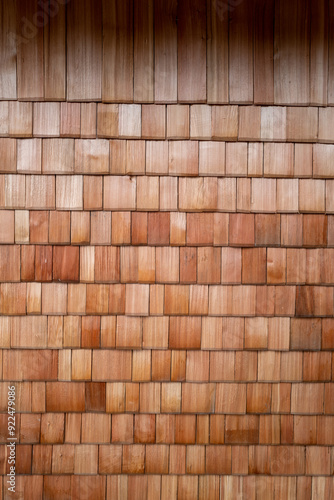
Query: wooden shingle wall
column 167, row 248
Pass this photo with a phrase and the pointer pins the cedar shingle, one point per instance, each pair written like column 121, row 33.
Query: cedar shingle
column 158, row 228
column 242, row 429
column 88, row 119
column 100, row 228
column 80, row 228
column 311, row 195
column 70, row 119
column 150, row 397
column 21, row 226
column 135, row 157
column 273, row 123
column 263, row 195
column 208, row 265
column 198, row 398
column 153, row 121
column 107, row 120
column 200, row 121
column 128, row 332
column 122, row 429
column 276, row 265
column 178, row 366
column 66, row 263
column 92, row 192
column 254, row 265
column 119, row 193
column 302, row 124
column 315, row 230
column 303, row 160
column 139, row 228
column 147, row 193
column 267, row 229
column 130, row 120
column 171, row 398
column 103, row 359
column 178, row 121
column 195, row 459
column 243, row 195
column 198, row 194
column 58, row 156
column 200, row 229
column 29, row 156
column 69, row 192
column 97, row 299
column 176, row 299
column 183, row 158
column 156, row 459
column 211, row 158
column 220, row 229
column 59, row 227
column 323, row 160
column 20, row 119
column 185, row 429
column 157, row 157
column 155, row 332
column 167, row 264
column 185, row 332
column 227, row 194
column 241, row 230
column 249, row 123
column 46, row 119
column 165, row 428
column 168, row 193
column 161, row 365
column 225, row 122
column 236, row 158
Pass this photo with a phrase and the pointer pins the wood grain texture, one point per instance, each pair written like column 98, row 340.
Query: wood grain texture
column 143, row 52
column 84, row 51
column 263, row 52
column 291, row 67
column 241, row 85
column 30, row 23
column 330, row 95
column 117, row 66
column 191, row 51
column 217, row 53
column 55, row 53
column 167, row 268
column 319, row 53
column 8, row 48
column 165, row 51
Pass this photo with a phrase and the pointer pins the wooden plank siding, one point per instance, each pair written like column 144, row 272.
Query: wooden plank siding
column 167, row 249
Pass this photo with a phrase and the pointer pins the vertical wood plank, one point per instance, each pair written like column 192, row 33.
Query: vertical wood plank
column 30, row 21
column 117, row 78
column 292, row 52
column 319, row 52
column 84, row 50
column 55, row 53
column 143, row 51
column 263, row 52
column 241, row 52
column 191, row 51
column 165, row 45
column 8, row 41
column 217, row 52
column 331, row 54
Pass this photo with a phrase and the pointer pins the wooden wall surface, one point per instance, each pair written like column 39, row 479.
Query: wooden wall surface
column 167, row 249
